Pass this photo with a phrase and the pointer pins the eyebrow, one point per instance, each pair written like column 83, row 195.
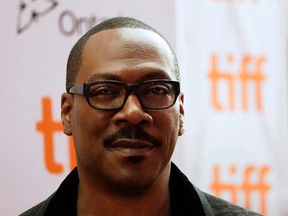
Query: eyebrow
column 157, row 74
column 102, row 76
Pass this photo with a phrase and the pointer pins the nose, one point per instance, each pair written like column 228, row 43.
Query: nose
column 133, row 113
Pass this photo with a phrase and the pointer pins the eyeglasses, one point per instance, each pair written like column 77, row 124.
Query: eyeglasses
column 111, row 95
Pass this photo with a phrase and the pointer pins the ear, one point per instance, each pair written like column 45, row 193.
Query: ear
column 181, row 115
column 66, row 108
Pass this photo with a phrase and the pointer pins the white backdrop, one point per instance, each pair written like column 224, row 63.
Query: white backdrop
column 233, row 57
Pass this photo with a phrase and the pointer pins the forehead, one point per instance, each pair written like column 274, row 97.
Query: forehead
column 125, row 49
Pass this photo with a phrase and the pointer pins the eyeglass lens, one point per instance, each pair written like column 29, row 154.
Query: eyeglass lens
column 154, row 95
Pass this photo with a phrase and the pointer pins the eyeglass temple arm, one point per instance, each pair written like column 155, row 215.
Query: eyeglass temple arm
column 78, row 89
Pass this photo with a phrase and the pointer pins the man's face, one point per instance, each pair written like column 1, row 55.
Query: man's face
column 130, row 147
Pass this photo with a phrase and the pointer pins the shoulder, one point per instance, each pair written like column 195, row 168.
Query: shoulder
column 222, row 207
column 62, row 200
column 39, row 209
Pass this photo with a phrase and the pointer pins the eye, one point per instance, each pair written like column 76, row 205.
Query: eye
column 103, row 90
column 156, row 89
column 159, row 90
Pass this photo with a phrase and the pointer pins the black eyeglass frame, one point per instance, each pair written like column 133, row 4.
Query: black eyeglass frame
column 83, row 89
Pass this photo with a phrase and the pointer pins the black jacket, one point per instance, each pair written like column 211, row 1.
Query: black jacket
column 186, row 199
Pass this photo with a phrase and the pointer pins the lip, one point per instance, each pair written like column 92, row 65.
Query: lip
column 128, row 147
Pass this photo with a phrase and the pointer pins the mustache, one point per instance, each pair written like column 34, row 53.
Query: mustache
column 131, row 133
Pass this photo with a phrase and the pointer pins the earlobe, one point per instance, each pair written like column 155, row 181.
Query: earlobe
column 66, row 108
column 181, row 125
column 181, row 115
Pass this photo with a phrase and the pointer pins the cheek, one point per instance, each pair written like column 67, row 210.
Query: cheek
column 168, row 126
column 170, row 119
column 89, row 130
column 89, row 125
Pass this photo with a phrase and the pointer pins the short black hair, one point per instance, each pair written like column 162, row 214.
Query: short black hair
column 75, row 56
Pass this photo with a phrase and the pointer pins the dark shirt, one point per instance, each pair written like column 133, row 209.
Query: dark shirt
column 184, row 199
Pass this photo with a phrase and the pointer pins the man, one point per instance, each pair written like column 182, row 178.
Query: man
column 124, row 109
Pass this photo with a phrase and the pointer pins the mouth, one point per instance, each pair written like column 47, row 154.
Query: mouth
column 131, row 142
column 131, row 147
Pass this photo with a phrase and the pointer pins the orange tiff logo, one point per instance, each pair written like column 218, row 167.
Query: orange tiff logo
column 48, row 127
column 244, row 76
column 246, row 188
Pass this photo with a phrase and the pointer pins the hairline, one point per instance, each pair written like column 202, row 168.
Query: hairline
column 75, row 57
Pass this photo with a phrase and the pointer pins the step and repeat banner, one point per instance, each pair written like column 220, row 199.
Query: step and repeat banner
column 233, row 60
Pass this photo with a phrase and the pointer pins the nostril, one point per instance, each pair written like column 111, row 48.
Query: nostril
column 132, row 122
column 133, row 118
column 133, row 113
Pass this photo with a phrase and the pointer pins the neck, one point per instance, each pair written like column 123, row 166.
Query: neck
column 139, row 206
column 154, row 201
